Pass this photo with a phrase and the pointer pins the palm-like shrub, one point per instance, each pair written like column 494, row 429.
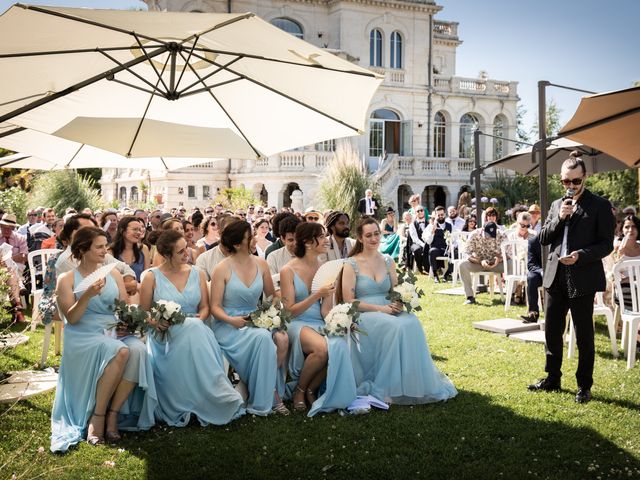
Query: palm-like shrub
column 14, row 200
column 61, row 189
column 345, row 181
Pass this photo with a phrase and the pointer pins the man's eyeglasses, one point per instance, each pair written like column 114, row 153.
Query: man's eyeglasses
column 575, row 181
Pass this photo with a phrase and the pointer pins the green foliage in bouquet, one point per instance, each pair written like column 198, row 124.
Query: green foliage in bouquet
column 406, row 292
column 270, row 315
column 130, row 317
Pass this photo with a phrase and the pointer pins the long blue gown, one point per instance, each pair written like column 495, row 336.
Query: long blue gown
column 189, row 373
column 87, row 352
column 250, row 351
column 394, row 363
column 390, row 242
column 340, row 384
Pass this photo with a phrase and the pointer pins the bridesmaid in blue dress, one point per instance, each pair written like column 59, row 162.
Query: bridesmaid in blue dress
column 314, row 359
column 97, row 371
column 394, row 363
column 237, row 283
column 187, row 365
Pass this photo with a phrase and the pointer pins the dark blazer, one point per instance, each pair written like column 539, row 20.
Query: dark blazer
column 534, row 254
column 362, row 206
column 591, row 230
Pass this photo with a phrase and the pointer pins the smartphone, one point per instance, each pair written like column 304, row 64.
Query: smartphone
column 567, row 257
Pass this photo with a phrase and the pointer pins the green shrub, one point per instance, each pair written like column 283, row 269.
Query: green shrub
column 14, row 200
column 61, row 189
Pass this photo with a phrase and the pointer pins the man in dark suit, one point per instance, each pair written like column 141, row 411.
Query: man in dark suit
column 579, row 231
column 368, row 205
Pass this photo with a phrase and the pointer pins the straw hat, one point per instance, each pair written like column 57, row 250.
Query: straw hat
column 9, row 220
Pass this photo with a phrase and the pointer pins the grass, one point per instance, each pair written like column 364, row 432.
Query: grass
column 495, row 428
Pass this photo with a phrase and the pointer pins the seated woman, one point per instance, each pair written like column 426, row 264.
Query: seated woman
column 97, row 372
column 126, row 245
column 628, row 248
column 190, row 379
column 393, row 363
column 176, row 225
column 189, row 235
column 390, row 243
column 237, row 283
column 261, row 229
column 210, row 234
column 314, row 359
column 109, row 223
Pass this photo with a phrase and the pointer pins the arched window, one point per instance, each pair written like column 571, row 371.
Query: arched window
column 395, row 54
column 468, row 125
column 384, row 133
column 288, row 26
column 134, row 194
column 499, row 125
column 375, row 48
column 439, row 135
column 123, row 194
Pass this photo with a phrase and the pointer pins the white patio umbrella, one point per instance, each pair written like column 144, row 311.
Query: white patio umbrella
column 48, row 152
column 161, row 84
column 523, row 162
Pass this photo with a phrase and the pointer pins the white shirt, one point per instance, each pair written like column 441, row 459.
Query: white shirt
column 370, row 203
column 456, row 224
column 66, row 263
column 208, row 260
column 278, row 259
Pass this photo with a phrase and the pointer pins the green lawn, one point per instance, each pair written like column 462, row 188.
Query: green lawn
column 495, row 428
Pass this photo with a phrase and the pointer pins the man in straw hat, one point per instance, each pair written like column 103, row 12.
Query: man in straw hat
column 14, row 261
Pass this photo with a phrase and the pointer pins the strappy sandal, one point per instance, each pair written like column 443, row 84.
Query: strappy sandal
column 112, row 437
column 281, row 409
column 302, row 405
column 95, row 440
column 311, row 396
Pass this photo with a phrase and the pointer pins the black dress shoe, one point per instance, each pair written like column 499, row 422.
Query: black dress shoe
column 583, row 395
column 470, row 301
column 545, row 385
column 531, row 317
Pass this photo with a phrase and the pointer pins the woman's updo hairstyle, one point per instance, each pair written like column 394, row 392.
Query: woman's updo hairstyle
column 167, row 241
column 168, row 224
column 306, row 232
column 83, row 239
column 233, row 234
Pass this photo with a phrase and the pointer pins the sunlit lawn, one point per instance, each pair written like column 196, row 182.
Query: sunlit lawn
column 495, row 428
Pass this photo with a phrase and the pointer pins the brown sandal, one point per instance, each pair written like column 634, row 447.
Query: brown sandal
column 95, row 440
column 302, row 405
column 112, row 437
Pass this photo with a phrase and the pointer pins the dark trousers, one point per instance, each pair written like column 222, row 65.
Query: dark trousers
column 435, row 252
column 534, row 281
column 421, row 256
column 557, row 305
column 407, row 257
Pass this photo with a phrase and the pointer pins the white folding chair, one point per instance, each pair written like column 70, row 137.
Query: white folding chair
column 599, row 308
column 458, row 239
column 37, row 266
column 630, row 318
column 514, row 259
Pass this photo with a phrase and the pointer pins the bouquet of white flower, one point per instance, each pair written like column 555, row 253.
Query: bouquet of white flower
column 270, row 315
column 130, row 318
column 406, row 291
column 342, row 320
column 167, row 313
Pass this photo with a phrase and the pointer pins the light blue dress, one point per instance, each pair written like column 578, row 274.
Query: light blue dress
column 87, row 352
column 250, row 351
column 189, row 373
column 394, row 363
column 340, row 384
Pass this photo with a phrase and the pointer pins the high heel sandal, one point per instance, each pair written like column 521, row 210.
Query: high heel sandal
column 302, row 405
column 112, row 437
column 281, row 409
column 311, row 396
column 95, row 439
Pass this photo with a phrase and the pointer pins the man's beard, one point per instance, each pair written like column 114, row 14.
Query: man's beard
column 453, row 217
column 342, row 234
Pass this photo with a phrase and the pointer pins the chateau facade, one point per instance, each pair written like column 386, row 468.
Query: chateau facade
column 420, row 131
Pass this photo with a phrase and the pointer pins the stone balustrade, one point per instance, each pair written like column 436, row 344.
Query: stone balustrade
column 475, row 86
column 392, row 76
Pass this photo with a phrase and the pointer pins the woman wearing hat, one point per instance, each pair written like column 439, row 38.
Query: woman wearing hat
column 390, row 242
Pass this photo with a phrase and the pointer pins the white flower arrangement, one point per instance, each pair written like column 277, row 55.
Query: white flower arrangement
column 342, row 320
column 406, row 291
column 270, row 315
column 167, row 312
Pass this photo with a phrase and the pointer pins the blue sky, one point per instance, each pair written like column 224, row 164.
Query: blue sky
column 588, row 44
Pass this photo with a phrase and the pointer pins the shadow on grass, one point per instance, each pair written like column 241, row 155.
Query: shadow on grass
column 468, row 437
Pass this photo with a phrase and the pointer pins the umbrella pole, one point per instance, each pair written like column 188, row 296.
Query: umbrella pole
column 477, row 173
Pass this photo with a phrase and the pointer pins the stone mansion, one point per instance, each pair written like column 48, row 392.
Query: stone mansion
column 421, row 119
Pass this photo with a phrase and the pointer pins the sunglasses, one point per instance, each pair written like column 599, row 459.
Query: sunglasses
column 418, row 211
column 524, row 225
column 208, row 212
column 575, row 181
column 313, row 219
column 31, row 215
column 241, row 214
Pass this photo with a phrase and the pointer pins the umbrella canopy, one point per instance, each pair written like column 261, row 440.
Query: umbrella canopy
column 145, row 84
column 609, row 122
column 47, row 152
column 522, row 161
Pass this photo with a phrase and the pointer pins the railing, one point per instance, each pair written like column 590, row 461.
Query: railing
column 323, row 159
column 392, row 76
column 292, row 160
column 426, row 166
column 445, row 29
column 478, row 86
column 262, row 162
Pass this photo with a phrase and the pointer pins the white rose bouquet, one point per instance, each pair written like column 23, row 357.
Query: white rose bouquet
column 406, row 291
column 167, row 313
column 270, row 315
column 130, row 317
column 342, row 320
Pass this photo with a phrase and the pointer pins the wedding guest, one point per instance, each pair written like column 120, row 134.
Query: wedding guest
column 405, row 241
column 275, row 223
column 628, row 248
column 470, row 224
column 52, row 241
column 368, row 205
column 176, row 225
column 260, row 231
column 338, row 227
column 209, row 259
column 314, row 359
column 98, row 373
column 287, row 231
column 435, row 235
column 534, row 211
column 390, row 244
column 418, row 247
column 109, row 223
column 210, row 234
column 17, row 263
column 522, row 228
column 237, row 284
column 126, row 245
column 189, row 236
column 393, row 362
column 187, row 363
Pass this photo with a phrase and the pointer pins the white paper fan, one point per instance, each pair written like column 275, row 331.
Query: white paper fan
column 326, row 274
column 6, row 252
column 99, row 274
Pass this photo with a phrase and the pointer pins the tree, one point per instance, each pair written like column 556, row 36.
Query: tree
column 236, row 197
column 14, row 200
column 345, row 181
column 61, row 189
column 521, row 133
column 552, row 120
column 621, row 187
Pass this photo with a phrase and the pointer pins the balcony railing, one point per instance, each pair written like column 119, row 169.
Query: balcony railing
column 429, row 166
column 476, row 86
column 392, row 76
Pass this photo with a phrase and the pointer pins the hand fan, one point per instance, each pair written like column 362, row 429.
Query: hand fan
column 6, row 251
column 99, row 274
column 326, row 274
